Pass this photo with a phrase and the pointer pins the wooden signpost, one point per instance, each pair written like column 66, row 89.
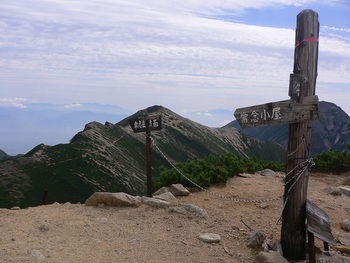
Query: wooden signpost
column 298, row 113
column 147, row 125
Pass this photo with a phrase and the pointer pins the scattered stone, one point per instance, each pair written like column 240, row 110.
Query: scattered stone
column 37, row 254
column 268, row 172
column 155, row 202
column 112, row 199
column 209, row 238
column 344, row 239
column 168, row 196
column 345, row 224
column 347, row 181
column 44, row 227
column 343, row 249
column 277, row 246
column 335, row 191
column 266, row 246
column 245, row 175
column 175, row 189
column 256, row 239
column 178, row 190
column 345, row 190
column 15, row 208
column 190, row 210
column 270, row 257
column 264, row 205
column 333, row 257
column 161, row 191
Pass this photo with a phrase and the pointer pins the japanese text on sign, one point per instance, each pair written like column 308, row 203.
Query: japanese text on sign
column 150, row 124
column 256, row 116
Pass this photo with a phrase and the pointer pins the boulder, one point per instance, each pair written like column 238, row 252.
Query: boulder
column 175, row 189
column 112, row 199
column 168, row 196
column 268, row 172
column 178, row 190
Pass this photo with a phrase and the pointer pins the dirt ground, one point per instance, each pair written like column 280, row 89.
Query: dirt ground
column 77, row 233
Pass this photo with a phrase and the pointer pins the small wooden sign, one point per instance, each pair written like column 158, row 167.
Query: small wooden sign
column 318, row 223
column 144, row 125
column 288, row 111
column 296, row 84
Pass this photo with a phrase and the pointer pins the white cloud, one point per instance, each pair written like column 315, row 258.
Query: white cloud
column 161, row 52
column 17, row 102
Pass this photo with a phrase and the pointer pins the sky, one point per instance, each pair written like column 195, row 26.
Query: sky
column 188, row 56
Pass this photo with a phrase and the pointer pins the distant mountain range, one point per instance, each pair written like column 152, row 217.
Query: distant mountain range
column 111, row 157
column 331, row 131
column 25, row 127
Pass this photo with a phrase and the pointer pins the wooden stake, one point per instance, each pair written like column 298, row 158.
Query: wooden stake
column 149, row 163
column 293, row 233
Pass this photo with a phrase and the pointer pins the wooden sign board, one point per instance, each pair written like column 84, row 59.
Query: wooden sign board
column 318, row 223
column 144, row 125
column 288, row 111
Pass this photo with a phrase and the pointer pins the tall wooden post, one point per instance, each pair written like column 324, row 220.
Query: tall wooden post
column 293, row 233
column 149, row 163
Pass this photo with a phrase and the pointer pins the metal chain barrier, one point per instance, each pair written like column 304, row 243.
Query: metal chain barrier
column 210, row 192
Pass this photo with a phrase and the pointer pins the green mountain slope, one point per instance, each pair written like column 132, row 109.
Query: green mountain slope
column 111, row 157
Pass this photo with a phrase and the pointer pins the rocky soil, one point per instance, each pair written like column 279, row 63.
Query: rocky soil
column 79, row 233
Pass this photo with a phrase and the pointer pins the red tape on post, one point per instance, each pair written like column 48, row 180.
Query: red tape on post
column 308, row 39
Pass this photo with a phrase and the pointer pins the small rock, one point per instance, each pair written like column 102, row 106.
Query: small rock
column 155, row 202
column 277, row 246
column 343, row 249
column 264, row 205
column 178, row 190
column 268, row 172
column 209, row 238
column 344, row 239
column 190, row 210
column 333, row 257
column 335, row 191
column 270, row 257
column 345, row 224
column 15, row 208
column 345, row 190
column 44, row 227
column 245, row 175
column 347, row 181
column 256, row 239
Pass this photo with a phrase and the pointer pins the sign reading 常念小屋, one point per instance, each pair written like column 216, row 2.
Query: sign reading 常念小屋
column 149, row 124
column 287, row 111
column 298, row 113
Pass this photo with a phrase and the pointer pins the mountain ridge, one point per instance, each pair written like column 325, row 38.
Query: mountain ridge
column 111, row 157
